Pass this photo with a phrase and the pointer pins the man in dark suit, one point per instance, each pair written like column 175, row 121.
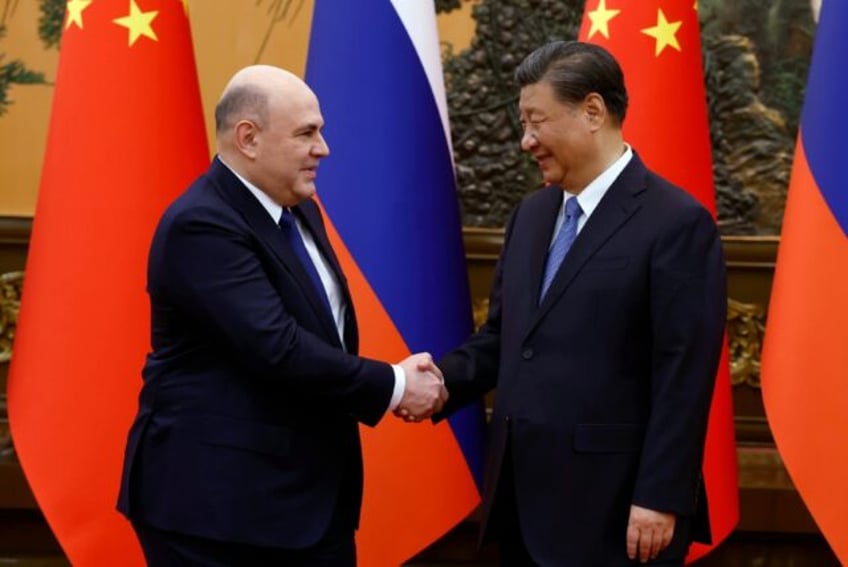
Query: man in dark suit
column 604, row 361
column 246, row 449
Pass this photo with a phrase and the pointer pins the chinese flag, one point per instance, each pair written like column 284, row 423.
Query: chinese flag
column 657, row 43
column 805, row 360
column 126, row 136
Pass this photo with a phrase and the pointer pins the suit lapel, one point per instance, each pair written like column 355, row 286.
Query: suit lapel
column 542, row 223
column 309, row 213
column 233, row 191
column 310, row 216
column 616, row 206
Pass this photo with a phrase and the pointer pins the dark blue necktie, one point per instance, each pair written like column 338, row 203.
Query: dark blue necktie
column 292, row 235
column 563, row 241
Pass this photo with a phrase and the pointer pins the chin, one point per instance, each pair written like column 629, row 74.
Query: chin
column 306, row 192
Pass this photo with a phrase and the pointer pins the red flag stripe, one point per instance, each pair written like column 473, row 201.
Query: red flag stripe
column 386, row 448
column 804, row 356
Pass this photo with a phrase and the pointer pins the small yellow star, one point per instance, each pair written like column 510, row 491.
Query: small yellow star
column 695, row 6
column 138, row 23
column 663, row 32
column 600, row 19
column 75, row 8
column 185, row 6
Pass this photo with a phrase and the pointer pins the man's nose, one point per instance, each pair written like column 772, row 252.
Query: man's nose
column 321, row 149
column 528, row 141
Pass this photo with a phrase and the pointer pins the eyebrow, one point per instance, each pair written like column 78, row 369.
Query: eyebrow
column 530, row 112
column 308, row 127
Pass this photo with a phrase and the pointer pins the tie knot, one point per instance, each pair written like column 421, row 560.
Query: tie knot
column 572, row 208
column 287, row 218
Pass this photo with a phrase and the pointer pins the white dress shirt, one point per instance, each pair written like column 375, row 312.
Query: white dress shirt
column 594, row 192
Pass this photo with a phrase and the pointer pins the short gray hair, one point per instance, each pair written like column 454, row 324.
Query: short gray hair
column 242, row 102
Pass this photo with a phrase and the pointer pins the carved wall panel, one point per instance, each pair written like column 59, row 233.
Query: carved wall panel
column 755, row 70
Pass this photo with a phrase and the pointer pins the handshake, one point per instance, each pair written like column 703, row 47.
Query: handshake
column 425, row 392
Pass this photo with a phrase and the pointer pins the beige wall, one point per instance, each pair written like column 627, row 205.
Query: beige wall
column 227, row 36
column 23, row 129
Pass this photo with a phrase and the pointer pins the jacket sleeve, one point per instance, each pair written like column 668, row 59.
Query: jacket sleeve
column 472, row 369
column 212, row 273
column 688, row 307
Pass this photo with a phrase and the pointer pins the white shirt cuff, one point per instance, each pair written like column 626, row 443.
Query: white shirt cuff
column 400, row 387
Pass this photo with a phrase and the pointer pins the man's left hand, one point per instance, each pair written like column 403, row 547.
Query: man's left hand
column 648, row 533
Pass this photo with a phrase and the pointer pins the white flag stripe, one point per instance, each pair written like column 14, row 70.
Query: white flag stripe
column 419, row 20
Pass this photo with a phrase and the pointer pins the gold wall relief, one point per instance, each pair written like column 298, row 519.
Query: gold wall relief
column 10, row 303
column 745, row 328
column 480, row 308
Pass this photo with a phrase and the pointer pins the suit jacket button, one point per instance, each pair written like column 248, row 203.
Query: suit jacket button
column 527, row 353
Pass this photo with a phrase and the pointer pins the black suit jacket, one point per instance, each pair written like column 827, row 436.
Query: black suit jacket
column 247, row 423
column 603, row 389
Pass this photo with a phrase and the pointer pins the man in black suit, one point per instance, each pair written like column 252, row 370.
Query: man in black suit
column 604, row 361
column 246, row 449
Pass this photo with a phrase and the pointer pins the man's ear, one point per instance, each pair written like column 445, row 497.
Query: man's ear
column 595, row 109
column 247, row 134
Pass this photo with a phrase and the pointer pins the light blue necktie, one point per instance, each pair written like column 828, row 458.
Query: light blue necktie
column 563, row 241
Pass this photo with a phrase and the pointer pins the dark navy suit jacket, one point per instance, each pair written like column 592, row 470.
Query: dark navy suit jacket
column 247, row 428
column 603, row 389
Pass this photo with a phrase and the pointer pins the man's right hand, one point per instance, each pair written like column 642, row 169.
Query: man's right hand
column 425, row 392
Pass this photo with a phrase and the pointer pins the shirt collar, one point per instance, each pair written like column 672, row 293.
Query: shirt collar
column 273, row 208
column 594, row 191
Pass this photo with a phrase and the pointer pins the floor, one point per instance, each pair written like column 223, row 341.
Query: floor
column 457, row 550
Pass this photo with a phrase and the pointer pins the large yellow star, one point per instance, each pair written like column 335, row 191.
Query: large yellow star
column 663, row 32
column 75, row 8
column 600, row 18
column 138, row 23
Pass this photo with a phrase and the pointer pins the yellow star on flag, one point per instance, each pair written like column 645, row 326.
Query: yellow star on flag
column 75, row 8
column 138, row 23
column 185, row 6
column 663, row 32
column 600, row 18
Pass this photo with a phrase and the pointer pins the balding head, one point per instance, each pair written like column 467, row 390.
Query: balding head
column 268, row 128
column 247, row 95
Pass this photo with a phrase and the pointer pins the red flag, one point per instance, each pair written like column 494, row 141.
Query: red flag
column 126, row 136
column 657, row 43
column 805, row 361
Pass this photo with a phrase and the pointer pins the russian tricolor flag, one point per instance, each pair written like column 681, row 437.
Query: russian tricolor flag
column 390, row 202
column 805, row 356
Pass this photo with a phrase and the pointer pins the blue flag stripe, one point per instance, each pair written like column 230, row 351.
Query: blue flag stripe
column 824, row 119
column 388, row 186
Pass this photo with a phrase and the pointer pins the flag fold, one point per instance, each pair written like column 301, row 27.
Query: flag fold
column 804, row 361
column 389, row 196
column 126, row 135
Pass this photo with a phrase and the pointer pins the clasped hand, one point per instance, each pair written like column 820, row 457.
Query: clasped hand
column 425, row 392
